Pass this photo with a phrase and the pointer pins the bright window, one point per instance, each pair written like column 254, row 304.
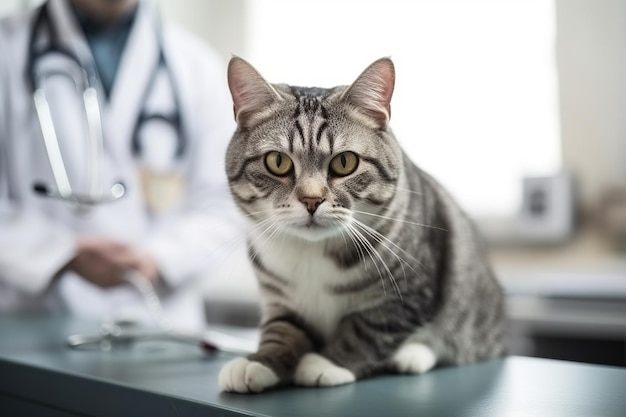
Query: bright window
column 475, row 102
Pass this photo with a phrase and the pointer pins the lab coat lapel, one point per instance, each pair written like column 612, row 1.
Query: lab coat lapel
column 68, row 29
column 138, row 61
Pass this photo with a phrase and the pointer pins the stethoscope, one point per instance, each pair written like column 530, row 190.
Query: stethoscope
column 86, row 79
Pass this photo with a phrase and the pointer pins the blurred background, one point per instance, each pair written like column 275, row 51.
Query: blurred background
column 516, row 106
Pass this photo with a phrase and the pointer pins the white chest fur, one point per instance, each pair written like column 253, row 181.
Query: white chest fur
column 311, row 275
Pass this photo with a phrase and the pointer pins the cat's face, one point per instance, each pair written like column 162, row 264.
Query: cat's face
column 311, row 162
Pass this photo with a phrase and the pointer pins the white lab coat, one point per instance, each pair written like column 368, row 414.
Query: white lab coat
column 37, row 234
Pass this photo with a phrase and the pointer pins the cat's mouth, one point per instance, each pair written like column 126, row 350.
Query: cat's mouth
column 315, row 229
column 312, row 224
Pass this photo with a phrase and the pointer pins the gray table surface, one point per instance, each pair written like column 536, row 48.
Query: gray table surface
column 39, row 375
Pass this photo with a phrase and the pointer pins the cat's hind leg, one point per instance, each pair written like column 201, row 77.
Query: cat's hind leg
column 242, row 375
column 414, row 358
column 314, row 370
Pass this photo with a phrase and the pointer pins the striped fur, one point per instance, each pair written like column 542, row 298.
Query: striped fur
column 388, row 260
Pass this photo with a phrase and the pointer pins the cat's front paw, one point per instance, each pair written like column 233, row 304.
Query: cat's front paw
column 244, row 376
column 316, row 371
column 414, row 358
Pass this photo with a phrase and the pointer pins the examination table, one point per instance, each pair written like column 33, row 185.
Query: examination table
column 40, row 376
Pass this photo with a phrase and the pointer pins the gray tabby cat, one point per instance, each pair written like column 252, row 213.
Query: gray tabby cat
column 365, row 263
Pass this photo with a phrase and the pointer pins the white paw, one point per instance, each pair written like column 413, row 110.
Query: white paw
column 242, row 375
column 414, row 358
column 316, row 371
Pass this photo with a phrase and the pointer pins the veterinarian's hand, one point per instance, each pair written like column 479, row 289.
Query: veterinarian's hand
column 103, row 261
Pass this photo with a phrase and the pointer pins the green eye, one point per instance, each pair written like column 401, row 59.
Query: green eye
column 344, row 164
column 278, row 163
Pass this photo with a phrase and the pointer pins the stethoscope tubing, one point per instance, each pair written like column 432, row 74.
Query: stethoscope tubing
column 87, row 82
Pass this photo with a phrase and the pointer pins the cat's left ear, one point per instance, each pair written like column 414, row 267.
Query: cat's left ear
column 371, row 92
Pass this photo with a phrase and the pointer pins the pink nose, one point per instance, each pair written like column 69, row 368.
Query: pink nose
column 311, row 203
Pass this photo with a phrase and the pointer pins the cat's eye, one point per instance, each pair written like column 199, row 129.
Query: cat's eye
column 278, row 163
column 344, row 164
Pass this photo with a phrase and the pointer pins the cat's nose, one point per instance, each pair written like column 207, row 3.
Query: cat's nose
column 311, row 203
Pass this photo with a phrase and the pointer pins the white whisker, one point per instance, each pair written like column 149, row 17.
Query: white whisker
column 372, row 251
column 359, row 241
column 381, row 239
column 254, row 213
column 400, row 220
column 360, row 253
column 376, row 233
column 401, row 189
column 272, row 220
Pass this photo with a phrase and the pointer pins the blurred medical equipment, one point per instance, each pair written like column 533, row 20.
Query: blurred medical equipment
column 85, row 78
column 124, row 333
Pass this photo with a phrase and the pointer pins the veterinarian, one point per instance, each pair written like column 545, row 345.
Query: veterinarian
column 113, row 129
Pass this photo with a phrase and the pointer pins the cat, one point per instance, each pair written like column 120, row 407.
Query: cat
column 365, row 263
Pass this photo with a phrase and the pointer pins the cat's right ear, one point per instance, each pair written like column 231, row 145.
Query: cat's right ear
column 251, row 93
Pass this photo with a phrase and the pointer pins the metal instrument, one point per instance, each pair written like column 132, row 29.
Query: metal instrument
column 123, row 333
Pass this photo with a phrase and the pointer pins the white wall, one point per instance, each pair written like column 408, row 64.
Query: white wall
column 475, row 102
column 222, row 23
column 591, row 54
